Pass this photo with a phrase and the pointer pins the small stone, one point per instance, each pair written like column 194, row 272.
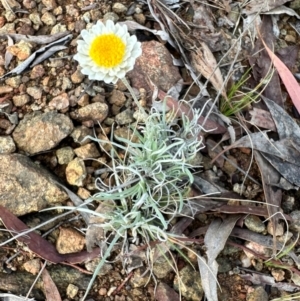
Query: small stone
column 48, row 19
column 7, row 145
column 8, row 28
column 125, row 133
column 58, row 28
column 80, row 133
column 21, row 50
column 279, row 229
column 60, row 102
column 50, row 4
column 140, row 18
column 96, row 111
column 58, row 11
column 65, row 155
column 119, row 8
column 165, row 293
column 87, row 151
column 257, row 294
column 77, row 77
column 14, row 81
column 228, row 167
column 69, row 241
column 72, row 291
column 76, row 172
column 295, row 225
column 256, row 248
column 92, row 265
column 35, row 92
column 10, row 16
column 32, row 266
column 84, row 100
column 67, row 84
column 5, row 89
column 125, row 117
column 290, row 38
column 139, row 278
column 102, row 291
column 29, row 4
column 162, row 267
column 188, row 282
column 254, row 223
column 117, row 98
column 21, row 100
column 111, row 16
column 278, row 274
column 37, row 72
column 285, row 237
column 35, row 18
column 83, row 193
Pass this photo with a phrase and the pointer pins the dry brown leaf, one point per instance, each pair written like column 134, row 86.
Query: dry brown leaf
column 263, row 119
column 204, row 62
column 50, row 289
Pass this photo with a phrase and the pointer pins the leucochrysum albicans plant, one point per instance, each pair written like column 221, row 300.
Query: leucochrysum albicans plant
column 152, row 178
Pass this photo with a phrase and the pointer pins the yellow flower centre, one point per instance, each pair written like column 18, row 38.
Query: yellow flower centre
column 107, row 50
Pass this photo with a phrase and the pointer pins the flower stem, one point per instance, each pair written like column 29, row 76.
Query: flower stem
column 126, row 83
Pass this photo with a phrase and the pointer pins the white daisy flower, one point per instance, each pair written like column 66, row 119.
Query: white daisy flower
column 107, row 51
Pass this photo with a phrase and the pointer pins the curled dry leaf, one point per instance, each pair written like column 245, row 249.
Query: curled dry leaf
column 41, row 39
column 204, row 62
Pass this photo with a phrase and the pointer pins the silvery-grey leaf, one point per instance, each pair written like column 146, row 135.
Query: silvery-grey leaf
column 49, row 52
column 11, row 297
column 8, row 55
column 20, row 68
column 41, row 39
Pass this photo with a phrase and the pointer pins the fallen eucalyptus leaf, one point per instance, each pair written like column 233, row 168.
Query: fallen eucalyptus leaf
column 30, row 61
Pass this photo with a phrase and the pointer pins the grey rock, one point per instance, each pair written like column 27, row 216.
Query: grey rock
column 119, row 8
column 189, row 283
column 96, row 111
column 162, row 266
column 166, row 293
column 80, row 133
column 295, row 215
column 259, row 294
column 110, row 16
column 125, row 117
column 39, row 132
column 26, row 187
column 139, row 278
column 255, row 224
column 65, row 155
column 7, row 145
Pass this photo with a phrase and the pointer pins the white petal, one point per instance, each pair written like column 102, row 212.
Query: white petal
column 108, row 79
column 110, row 25
column 121, row 74
column 86, row 36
